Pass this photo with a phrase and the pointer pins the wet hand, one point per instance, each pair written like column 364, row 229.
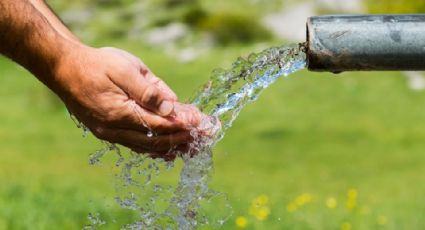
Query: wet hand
column 121, row 101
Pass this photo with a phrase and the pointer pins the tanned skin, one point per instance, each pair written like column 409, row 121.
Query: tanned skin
column 109, row 90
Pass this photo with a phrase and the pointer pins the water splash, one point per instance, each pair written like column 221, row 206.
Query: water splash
column 95, row 157
column 228, row 91
column 223, row 97
column 80, row 125
column 95, row 221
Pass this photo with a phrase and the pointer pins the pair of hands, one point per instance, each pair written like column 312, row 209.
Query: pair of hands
column 121, row 101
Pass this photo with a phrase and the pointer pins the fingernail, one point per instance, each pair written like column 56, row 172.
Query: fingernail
column 166, row 108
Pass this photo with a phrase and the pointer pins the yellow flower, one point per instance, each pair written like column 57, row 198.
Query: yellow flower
column 262, row 213
column 260, row 200
column 382, row 220
column 241, row 222
column 331, row 203
column 259, row 207
column 303, row 199
column 346, row 226
column 291, row 207
column 352, row 194
column 351, row 204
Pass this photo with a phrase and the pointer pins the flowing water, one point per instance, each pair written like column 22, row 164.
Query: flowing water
column 138, row 178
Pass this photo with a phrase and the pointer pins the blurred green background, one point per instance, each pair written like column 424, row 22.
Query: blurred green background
column 316, row 151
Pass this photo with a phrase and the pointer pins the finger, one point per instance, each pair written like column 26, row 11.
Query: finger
column 147, row 73
column 145, row 93
column 138, row 118
column 157, row 81
column 144, row 70
column 153, row 98
column 186, row 118
column 130, row 138
column 130, row 115
column 188, row 114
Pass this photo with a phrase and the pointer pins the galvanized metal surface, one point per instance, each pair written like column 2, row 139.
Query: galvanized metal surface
column 338, row 43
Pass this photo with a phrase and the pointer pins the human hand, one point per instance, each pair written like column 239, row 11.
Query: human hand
column 109, row 90
column 120, row 100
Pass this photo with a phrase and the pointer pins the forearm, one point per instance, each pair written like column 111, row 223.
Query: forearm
column 28, row 38
column 56, row 23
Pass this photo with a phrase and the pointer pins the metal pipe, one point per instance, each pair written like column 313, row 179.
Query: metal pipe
column 338, row 43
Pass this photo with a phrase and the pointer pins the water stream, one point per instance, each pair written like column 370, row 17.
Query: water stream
column 138, row 178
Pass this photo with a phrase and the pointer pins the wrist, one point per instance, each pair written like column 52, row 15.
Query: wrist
column 48, row 57
column 67, row 72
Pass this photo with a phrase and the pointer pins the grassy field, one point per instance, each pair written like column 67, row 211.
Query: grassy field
column 316, row 151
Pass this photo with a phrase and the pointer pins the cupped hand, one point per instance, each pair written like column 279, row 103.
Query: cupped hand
column 120, row 100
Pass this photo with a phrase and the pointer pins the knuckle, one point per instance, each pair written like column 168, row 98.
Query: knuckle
column 144, row 71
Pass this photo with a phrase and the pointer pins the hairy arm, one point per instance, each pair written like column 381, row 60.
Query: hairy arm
column 51, row 17
column 28, row 38
column 111, row 91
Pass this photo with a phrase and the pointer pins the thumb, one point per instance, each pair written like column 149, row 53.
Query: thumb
column 147, row 94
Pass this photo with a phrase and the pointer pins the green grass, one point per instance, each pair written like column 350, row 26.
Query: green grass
column 319, row 134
